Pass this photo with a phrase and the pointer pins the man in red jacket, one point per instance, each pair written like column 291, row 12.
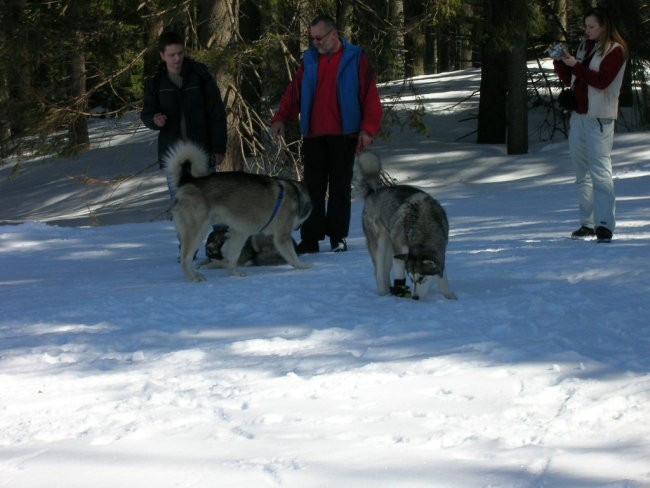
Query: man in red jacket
column 335, row 95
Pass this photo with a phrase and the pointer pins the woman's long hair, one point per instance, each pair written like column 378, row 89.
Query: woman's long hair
column 611, row 32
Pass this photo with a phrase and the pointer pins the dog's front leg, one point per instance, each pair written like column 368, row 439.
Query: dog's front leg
column 190, row 241
column 445, row 288
column 383, row 259
column 284, row 245
column 231, row 251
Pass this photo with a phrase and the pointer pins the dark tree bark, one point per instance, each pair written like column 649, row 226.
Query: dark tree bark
column 503, row 105
column 345, row 17
column 78, row 131
column 492, row 119
column 465, row 37
column 493, row 98
column 415, row 39
column 559, row 25
column 517, row 106
column 17, row 75
column 220, row 21
column 431, row 50
column 517, row 80
column 396, row 9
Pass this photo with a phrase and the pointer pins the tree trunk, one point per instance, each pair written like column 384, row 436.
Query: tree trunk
column 221, row 25
column 397, row 38
column 503, row 105
column 560, row 22
column 78, row 131
column 517, row 79
column 444, row 49
column 345, row 17
column 517, row 101
column 415, row 39
column 5, row 126
column 17, row 80
column 465, row 28
column 492, row 101
column 630, row 15
column 431, row 51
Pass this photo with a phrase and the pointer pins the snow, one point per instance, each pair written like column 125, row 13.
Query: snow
column 114, row 371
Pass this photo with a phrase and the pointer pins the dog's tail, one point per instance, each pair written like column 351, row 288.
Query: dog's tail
column 185, row 159
column 368, row 167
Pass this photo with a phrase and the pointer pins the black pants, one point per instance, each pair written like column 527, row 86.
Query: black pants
column 328, row 167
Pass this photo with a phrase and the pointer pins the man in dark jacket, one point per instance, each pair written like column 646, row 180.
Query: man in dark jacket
column 182, row 101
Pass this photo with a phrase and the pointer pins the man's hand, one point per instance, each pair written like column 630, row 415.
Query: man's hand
column 365, row 140
column 160, row 119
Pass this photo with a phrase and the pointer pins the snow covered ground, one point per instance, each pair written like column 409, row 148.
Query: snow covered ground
column 115, row 372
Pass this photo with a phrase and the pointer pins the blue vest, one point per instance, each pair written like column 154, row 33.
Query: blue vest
column 347, row 87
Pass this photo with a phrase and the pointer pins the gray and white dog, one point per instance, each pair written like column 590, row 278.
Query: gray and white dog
column 259, row 250
column 246, row 203
column 406, row 230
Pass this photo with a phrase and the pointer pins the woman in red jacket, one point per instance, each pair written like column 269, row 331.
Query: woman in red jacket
column 596, row 74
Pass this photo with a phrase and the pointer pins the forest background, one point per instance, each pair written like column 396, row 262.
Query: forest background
column 62, row 62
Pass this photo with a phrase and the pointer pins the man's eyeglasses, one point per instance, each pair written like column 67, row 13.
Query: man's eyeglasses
column 320, row 38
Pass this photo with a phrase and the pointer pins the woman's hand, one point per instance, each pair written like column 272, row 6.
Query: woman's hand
column 569, row 60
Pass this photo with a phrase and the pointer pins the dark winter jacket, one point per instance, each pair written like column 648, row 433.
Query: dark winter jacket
column 198, row 99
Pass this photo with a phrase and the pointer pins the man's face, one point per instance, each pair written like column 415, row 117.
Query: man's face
column 324, row 38
column 173, row 57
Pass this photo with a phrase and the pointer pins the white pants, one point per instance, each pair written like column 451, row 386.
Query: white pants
column 590, row 146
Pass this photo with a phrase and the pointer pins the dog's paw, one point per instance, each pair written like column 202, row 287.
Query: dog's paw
column 212, row 264
column 236, row 272
column 402, row 291
column 196, row 277
column 303, row 265
column 446, row 290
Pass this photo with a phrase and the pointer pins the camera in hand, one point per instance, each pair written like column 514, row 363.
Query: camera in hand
column 556, row 51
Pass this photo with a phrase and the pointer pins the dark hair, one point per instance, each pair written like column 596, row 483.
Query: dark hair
column 611, row 33
column 326, row 19
column 167, row 38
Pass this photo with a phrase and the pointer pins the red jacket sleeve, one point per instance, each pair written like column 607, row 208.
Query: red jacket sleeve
column 369, row 98
column 289, row 107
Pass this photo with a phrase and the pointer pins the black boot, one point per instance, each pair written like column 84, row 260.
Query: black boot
column 603, row 234
column 583, row 232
